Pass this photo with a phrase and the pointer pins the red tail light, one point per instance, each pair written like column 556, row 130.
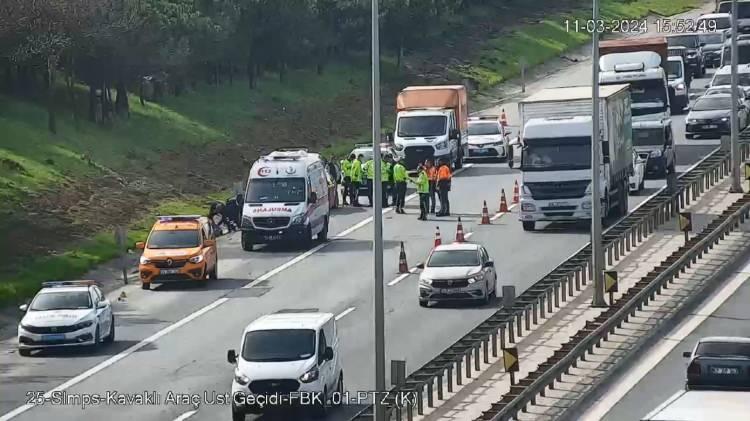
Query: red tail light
column 694, row 368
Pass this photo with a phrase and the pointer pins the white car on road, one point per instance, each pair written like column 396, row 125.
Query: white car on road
column 488, row 139
column 63, row 314
column 459, row 271
column 291, row 355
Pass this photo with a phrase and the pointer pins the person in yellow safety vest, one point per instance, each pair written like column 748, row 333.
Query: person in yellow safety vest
column 369, row 169
column 346, row 170
column 386, row 170
column 399, row 181
column 356, row 174
column 423, row 188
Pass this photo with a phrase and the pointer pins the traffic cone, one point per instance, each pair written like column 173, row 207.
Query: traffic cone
column 438, row 240
column 460, row 232
column 503, row 119
column 403, row 267
column 503, row 202
column 516, row 193
column 485, row 214
column 122, row 297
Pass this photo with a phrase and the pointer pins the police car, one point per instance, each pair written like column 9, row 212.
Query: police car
column 64, row 314
column 488, row 139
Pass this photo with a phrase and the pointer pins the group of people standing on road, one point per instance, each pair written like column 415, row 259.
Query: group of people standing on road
column 431, row 181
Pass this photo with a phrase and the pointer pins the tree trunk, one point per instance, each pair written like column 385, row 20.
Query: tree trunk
column 51, row 120
column 122, row 105
column 282, row 71
column 70, row 82
column 400, row 58
column 92, row 103
column 231, row 73
column 250, row 69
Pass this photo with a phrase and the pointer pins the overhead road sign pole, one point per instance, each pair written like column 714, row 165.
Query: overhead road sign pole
column 597, row 254
column 377, row 187
column 736, row 186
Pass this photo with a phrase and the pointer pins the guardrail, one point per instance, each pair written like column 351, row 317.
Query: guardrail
column 432, row 379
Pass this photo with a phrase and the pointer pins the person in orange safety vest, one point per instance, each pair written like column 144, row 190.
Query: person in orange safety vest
column 444, row 176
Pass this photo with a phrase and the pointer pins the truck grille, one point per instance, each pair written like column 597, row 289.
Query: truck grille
column 450, row 283
column 558, row 190
column 260, row 387
column 416, row 155
column 271, row 222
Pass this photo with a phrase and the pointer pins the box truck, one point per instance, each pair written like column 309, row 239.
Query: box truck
column 431, row 122
column 556, row 129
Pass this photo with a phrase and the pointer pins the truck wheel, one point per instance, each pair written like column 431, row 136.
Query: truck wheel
column 323, row 234
column 623, row 205
column 247, row 241
column 528, row 225
column 460, row 159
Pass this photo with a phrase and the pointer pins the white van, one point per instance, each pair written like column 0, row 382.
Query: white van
column 291, row 356
column 286, row 199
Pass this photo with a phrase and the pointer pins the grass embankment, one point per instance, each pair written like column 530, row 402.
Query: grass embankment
column 498, row 59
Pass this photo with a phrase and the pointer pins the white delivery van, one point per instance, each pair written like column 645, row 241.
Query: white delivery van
column 286, row 199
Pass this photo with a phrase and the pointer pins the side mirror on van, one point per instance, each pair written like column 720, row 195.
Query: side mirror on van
column 232, row 356
column 454, row 134
column 328, row 354
column 140, row 245
column 313, row 198
column 420, row 266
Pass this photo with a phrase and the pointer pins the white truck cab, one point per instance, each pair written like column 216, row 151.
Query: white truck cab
column 286, row 199
column 650, row 99
column 291, row 355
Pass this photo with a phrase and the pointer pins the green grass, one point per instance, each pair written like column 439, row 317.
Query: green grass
column 498, row 59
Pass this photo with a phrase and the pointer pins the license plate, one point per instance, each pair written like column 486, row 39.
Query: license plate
column 56, row 337
column 710, row 126
column 448, row 291
column 556, row 204
column 725, row 371
column 481, row 151
column 169, row 271
column 272, row 237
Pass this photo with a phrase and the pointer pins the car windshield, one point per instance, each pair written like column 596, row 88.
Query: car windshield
column 481, row 129
column 69, row 300
column 713, row 102
column 647, row 96
column 712, row 349
column 174, row 239
column 712, row 38
column 648, row 137
column 674, row 69
column 743, row 58
column 422, row 126
column 743, row 79
column 276, row 190
column 448, row 258
column 279, row 345
column 689, row 41
column 563, row 153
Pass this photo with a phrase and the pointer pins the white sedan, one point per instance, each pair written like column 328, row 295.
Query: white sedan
column 459, row 271
column 637, row 179
column 64, row 314
column 488, row 139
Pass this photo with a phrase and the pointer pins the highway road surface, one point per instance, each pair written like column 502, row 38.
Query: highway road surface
column 660, row 373
column 174, row 339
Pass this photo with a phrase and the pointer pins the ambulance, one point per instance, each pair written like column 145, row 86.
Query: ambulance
column 286, row 200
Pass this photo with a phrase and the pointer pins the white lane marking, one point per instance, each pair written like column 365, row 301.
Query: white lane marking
column 499, row 214
column 153, row 338
column 657, row 353
column 402, row 277
column 186, row 415
column 114, row 359
column 344, row 313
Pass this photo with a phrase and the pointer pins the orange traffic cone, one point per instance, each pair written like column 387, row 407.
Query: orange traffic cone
column 438, row 240
column 503, row 119
column 503, row 202
column 516, row 193
column 485, row 214
column 460, row 232
column 403, row 267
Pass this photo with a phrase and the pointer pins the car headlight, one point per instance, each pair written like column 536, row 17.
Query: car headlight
column 145, row 260
column 528, row 207
column 240, row 378
column 84, row 324
column 299, row 219
column 655, row 153
column 425, row 281
column 398, row 147
column 680, row 86
column 310, row 376
column 692, row 121
column 588, row 189
column 441, row 145
column 196, row 259
column 586, row 205
column 475, row 278
column 725, row 119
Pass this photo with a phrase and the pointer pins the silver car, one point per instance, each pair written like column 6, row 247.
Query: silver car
column 459, row 271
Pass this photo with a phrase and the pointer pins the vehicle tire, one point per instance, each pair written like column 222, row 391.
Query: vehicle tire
column 323, row 234
column 335, row 204
column 528, row 225
column 424, row 303
column 97, row 339
column 460, row 159
column 486, row 299
column 237, row 415
column 642, row 185
column 622, row 209
column 111, row 337
column 307, row 241
column 339, row 389
column 24, row 352
column 146, row 285
column 214, row 274
column 320, row 411
column 247, row 241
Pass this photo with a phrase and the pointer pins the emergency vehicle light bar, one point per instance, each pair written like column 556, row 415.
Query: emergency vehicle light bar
column 57, row 284
column 174, row 218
